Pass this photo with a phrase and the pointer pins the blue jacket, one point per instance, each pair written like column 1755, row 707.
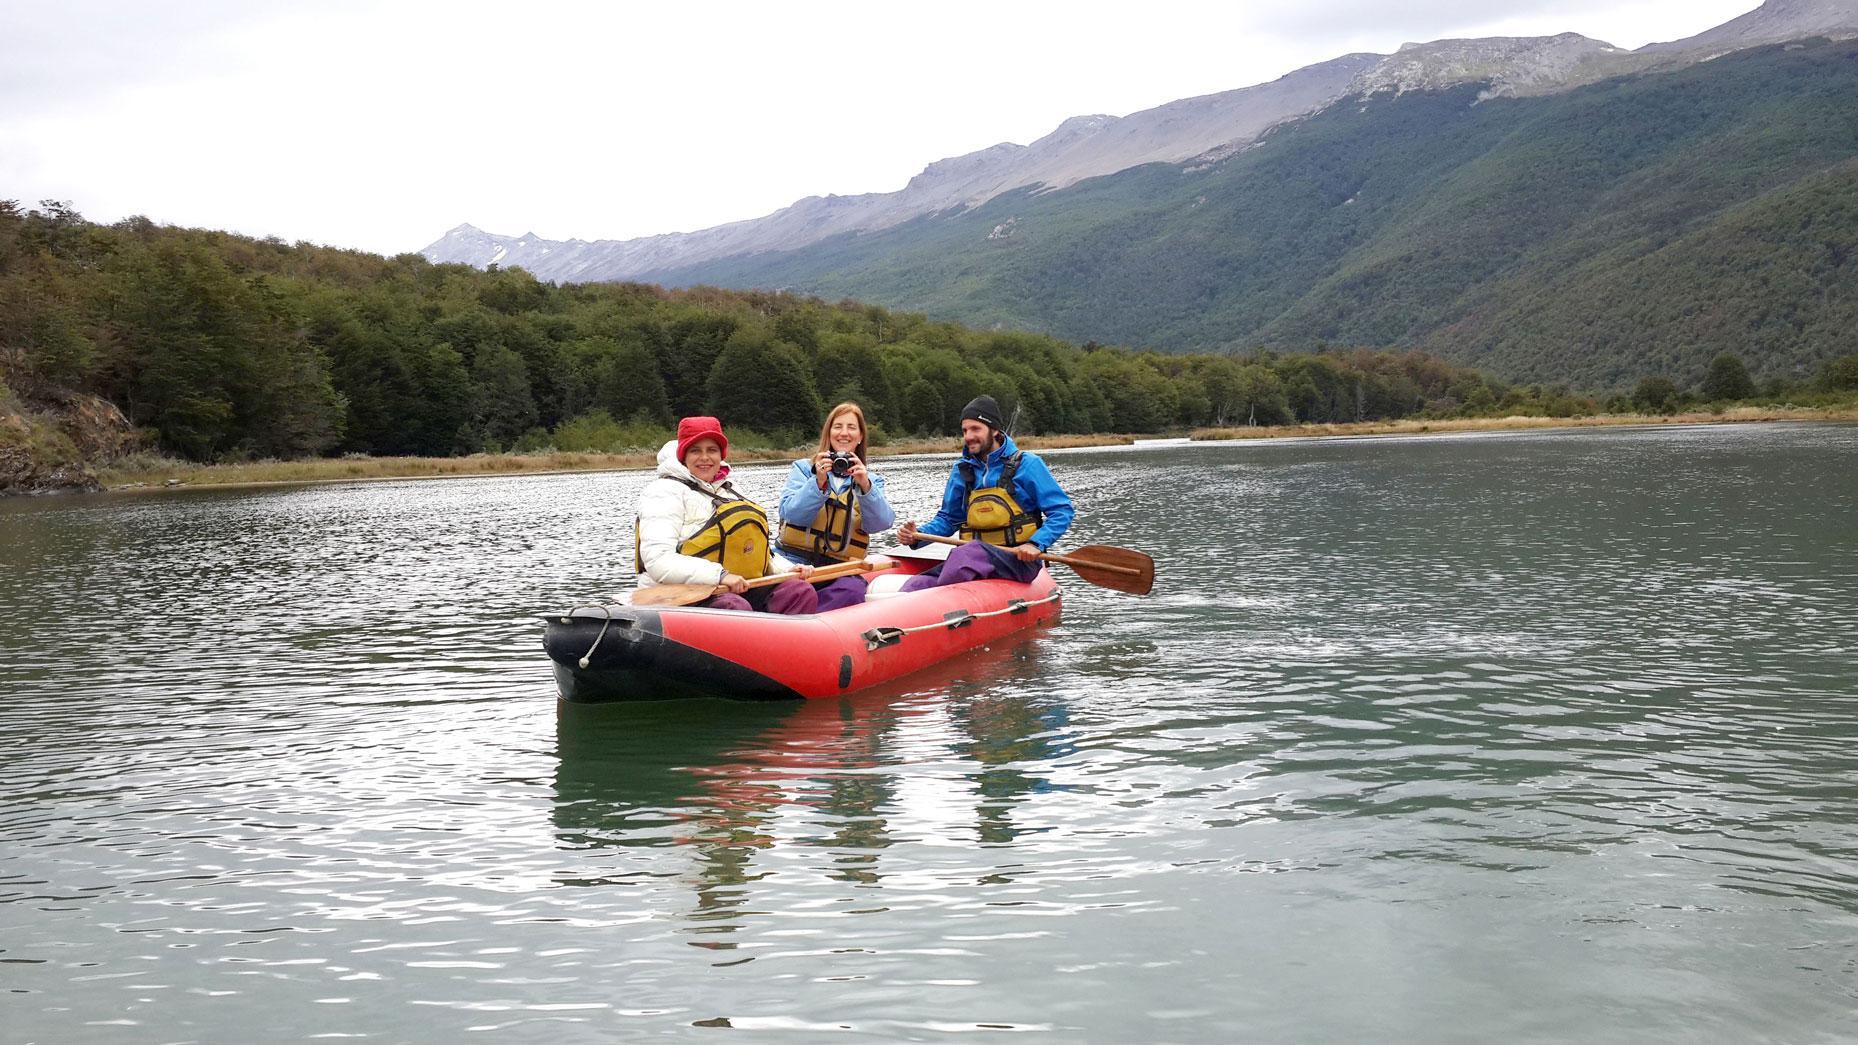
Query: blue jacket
column 801, row 498
column 1033, row 487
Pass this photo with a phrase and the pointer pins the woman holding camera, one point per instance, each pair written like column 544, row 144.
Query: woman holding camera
column 832, row 504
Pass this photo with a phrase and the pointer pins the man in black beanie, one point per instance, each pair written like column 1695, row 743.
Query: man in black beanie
column 1001, row 498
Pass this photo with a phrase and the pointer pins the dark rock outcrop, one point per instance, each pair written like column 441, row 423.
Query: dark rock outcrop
column 55, row 446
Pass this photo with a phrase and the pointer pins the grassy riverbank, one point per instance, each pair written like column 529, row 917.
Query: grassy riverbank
column 1414, row 426
column 146, row 472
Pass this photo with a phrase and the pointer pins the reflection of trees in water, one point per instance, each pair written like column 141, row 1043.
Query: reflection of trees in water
column 725, row 781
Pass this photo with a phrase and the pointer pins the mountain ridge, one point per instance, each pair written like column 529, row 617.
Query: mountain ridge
column 1775, row 21
column 1088, row 146
column 1574, row 237
column 1058, row 253
column 1055, row 160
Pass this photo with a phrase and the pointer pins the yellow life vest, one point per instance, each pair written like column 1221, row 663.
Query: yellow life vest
column 836, row 533
column 735, row 536
column 994, row 514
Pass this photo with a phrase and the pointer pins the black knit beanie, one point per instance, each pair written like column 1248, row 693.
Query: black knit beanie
column 984, row 410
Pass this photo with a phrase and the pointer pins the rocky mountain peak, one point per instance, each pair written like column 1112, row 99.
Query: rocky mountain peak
column 1510, row 64
column 1075, row 127
column 468, row 244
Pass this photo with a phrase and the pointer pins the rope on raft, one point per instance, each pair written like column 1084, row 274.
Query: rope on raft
column 878, row 638
column 606, row 612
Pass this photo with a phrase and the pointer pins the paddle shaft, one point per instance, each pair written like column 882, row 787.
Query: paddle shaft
column 690, row 594
column 1048, row 556
column 827, row 573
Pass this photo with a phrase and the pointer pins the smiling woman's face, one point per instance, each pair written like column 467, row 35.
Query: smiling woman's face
column 846, row 433
column 704, row 458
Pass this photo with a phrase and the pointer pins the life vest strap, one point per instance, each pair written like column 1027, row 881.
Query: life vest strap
column 836, row 533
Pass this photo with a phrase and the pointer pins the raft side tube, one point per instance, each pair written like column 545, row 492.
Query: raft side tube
column 638, row 653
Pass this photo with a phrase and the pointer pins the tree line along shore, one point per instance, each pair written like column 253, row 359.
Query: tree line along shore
column 144, row 353
column 142, row 472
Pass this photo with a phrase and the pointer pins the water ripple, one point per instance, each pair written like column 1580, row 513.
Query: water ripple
column 1540, row 737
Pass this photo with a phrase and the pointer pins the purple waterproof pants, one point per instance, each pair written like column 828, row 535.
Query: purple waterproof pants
column 972, row 562
column 794, row 596
column 846, row 591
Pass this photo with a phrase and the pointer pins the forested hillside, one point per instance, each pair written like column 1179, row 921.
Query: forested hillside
column 217, row 347
column 1641, row 226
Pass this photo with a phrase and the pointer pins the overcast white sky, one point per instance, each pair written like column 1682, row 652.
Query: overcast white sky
column 382, row 125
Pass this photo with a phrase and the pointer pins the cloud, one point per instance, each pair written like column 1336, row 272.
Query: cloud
column 76, row 59
column 57, row 55
column 380, row 125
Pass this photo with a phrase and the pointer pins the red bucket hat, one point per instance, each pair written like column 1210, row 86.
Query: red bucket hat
column 691, row 429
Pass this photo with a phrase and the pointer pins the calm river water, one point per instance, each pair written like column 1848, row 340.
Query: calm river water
column 1534, row 737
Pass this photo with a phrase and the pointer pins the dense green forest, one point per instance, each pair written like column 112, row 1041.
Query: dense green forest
column 223, row 347
column 220, row 347
column 1634, row 228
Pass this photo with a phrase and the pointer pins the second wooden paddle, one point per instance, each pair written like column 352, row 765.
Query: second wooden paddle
column 1106, row 566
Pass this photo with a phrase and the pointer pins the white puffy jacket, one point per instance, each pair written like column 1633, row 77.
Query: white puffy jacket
column 670, row 513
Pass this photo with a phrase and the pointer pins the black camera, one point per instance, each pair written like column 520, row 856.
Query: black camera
column 842, row 462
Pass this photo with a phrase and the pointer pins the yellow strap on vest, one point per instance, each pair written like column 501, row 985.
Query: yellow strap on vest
column 836, row 533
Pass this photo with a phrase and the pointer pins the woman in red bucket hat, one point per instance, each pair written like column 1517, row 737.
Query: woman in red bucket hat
column 694, row 527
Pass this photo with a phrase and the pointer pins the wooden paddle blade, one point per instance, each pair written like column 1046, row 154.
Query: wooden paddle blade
column 1120, row 569
column 673, row 594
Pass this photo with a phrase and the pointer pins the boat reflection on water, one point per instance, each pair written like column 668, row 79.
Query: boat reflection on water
column 1006, row 733
column 625, row 773
column 944, row 755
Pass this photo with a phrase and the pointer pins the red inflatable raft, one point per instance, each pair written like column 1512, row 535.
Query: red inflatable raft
column 622, row 652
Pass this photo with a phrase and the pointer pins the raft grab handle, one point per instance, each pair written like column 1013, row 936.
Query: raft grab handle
column 607, row 612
